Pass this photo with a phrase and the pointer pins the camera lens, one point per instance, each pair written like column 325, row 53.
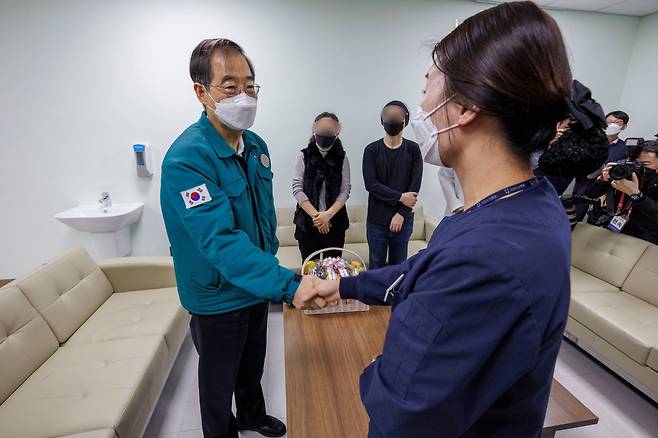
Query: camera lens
column 621, row 171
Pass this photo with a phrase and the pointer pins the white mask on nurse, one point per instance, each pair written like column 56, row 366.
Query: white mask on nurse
column 427, row 134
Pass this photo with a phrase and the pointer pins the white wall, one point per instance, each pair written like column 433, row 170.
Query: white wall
column 640, row 92
column 81, row 81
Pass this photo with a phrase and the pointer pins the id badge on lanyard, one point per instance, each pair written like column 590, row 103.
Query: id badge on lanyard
column 620, row 220
column 618, row 223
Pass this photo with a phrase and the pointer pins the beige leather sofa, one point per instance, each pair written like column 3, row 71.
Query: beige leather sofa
column 85, row 349
column 614, row 303
column 355, row 238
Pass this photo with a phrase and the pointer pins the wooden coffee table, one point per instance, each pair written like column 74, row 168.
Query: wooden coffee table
column 325, row 355
column 5, row 282
column 565, row 412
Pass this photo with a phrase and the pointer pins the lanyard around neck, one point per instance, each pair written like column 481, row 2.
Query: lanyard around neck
column 504, row 192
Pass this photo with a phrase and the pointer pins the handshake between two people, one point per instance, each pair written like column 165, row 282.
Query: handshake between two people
column 315, row 293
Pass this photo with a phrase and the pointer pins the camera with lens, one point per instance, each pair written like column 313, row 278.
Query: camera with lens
column 625, row 170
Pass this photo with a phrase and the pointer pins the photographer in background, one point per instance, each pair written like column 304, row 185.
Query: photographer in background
column 616, row 121
column 634, row 198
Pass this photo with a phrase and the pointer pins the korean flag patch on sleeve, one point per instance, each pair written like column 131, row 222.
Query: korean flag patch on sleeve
column 195, row 196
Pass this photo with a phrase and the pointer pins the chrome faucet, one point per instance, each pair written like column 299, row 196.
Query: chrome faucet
column 106, row 200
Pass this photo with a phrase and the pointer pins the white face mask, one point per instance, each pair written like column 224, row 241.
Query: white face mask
column 612, row 129
column 427, row 134
column 237, row 112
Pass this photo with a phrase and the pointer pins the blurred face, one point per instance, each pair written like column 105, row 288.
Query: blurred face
column 393, row 114
column 393, row 118
column 648, row 160
column 326, row 127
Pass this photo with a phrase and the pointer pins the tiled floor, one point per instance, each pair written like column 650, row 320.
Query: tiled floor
column 623, row 413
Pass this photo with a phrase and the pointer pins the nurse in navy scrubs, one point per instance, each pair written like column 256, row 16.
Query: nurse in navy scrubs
column 478, row 317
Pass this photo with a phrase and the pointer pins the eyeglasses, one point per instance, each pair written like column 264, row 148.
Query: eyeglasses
column 233, row 90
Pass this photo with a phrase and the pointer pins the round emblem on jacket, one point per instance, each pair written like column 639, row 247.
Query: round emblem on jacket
column 265, row 160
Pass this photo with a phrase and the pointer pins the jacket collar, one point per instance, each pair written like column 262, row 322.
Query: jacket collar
column 215, row 140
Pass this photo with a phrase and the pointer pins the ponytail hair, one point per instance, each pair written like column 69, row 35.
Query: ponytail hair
column 510, row 62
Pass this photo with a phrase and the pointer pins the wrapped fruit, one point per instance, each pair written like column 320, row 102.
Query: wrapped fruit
column 319, row 272
column 331, row 268
column 357, row 267
column 309, row 267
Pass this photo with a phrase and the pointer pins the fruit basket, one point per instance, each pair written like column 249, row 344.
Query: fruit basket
column 331, row 268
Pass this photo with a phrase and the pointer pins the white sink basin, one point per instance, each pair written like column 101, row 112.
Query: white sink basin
column 95, row 219
column 109, row 227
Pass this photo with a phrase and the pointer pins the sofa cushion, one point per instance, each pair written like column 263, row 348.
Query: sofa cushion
column 134, row 314
column 67, row 291
column 643, row 280
column 85, row 387
column 357, row 212
column 100, row 433
column 430, row 227
column 584, row 282
column 626, row 322
column 652, row 361
column 26, row 341
column 289, row 257
column 356, row 233
column 285, row 230
column 128, row 274
column 604, row 254
column 418, row 232
column 415, row 246
column 355, row 237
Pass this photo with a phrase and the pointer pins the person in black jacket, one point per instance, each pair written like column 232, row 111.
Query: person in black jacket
column 321, row 187
column 635, row 200
column 392, row 171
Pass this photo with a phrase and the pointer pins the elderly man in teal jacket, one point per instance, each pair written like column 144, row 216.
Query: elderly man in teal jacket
column 218, row 209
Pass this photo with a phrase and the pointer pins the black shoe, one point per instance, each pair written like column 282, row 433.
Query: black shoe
column 271, row 428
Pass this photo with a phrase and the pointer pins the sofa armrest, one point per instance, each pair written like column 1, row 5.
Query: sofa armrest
column 430, row 226
column 139, row 273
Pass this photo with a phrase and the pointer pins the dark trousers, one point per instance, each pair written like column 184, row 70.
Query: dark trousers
column 231, row 349
column 313, row 240
column 382, row 242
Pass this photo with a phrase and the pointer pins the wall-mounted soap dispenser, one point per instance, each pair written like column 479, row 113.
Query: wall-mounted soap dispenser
column 143, row 159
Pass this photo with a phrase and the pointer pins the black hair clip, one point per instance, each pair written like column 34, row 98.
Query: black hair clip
column 583, row 148
column 584, row 108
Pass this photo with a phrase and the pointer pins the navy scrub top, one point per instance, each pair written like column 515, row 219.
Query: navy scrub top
column 476, row 326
